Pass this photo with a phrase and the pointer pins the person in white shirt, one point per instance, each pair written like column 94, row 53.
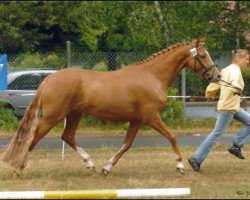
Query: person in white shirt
column 228, row 108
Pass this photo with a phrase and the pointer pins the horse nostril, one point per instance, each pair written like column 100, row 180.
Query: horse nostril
column 219, row 76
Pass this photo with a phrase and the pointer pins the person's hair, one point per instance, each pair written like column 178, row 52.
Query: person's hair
column 239, row 53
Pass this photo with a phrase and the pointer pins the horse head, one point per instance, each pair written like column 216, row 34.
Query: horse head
column 200, row 61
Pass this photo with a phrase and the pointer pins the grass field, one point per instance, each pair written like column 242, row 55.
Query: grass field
column 222, row 175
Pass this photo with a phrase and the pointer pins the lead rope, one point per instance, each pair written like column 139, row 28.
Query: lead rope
column 229, row 85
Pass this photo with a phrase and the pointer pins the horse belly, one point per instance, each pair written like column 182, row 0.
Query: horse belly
column 112, row 112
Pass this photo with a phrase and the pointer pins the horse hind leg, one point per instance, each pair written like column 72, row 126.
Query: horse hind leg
column 131, row 133
column 72, row 121
column 41, row 130
column 162, row 128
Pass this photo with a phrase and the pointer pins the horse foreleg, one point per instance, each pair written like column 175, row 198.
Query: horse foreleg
column 68, row 136
column 162, row 128
column 131, row 133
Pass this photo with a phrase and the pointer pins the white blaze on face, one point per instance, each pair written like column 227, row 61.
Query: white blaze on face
column 209, row 56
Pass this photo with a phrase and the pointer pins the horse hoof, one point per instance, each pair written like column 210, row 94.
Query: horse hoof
column 105, row 172
column 23, row 166
column 181, row 170
column 91, row 168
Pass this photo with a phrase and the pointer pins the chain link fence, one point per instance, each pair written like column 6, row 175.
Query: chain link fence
column 100, row 61
column 187, row 84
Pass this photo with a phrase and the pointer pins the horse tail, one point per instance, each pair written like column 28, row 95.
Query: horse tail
column 16, row 153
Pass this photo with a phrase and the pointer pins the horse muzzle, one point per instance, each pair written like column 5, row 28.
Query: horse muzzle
column 213, row 75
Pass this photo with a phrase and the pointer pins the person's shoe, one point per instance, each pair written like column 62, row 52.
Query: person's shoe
column 196, row 166
column 236, row 151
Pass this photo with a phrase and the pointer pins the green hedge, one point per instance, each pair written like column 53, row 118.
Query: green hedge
column 173, row 113
column 8, row 119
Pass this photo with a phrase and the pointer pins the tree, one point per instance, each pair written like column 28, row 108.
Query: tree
column 189, row 20
column 115, row 26
column 29, row 26
column 12, row 18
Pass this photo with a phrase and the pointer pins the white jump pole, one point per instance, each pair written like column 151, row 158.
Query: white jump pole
column 97, row 194
column 63, row 144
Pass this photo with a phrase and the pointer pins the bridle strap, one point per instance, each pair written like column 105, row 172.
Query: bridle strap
column 206, row 70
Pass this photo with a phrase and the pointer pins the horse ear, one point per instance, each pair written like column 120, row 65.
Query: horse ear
column 200, row 41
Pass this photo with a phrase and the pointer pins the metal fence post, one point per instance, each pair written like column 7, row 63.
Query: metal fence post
column 68, row 47
column 183, row 91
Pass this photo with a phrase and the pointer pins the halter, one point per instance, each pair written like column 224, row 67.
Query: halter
column 206, row 69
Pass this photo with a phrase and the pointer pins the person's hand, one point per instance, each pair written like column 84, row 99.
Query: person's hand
column 210, row 96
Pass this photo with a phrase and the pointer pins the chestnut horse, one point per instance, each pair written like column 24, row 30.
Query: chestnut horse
column 136, row 93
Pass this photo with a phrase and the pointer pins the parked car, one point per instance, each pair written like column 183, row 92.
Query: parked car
column 22, row 86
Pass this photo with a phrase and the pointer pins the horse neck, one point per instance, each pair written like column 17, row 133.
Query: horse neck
column 166, row 67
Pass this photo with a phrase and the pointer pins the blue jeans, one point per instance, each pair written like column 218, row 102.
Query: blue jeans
column 224, row 119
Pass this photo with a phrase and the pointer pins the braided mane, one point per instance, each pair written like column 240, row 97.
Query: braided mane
column 163, row 51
